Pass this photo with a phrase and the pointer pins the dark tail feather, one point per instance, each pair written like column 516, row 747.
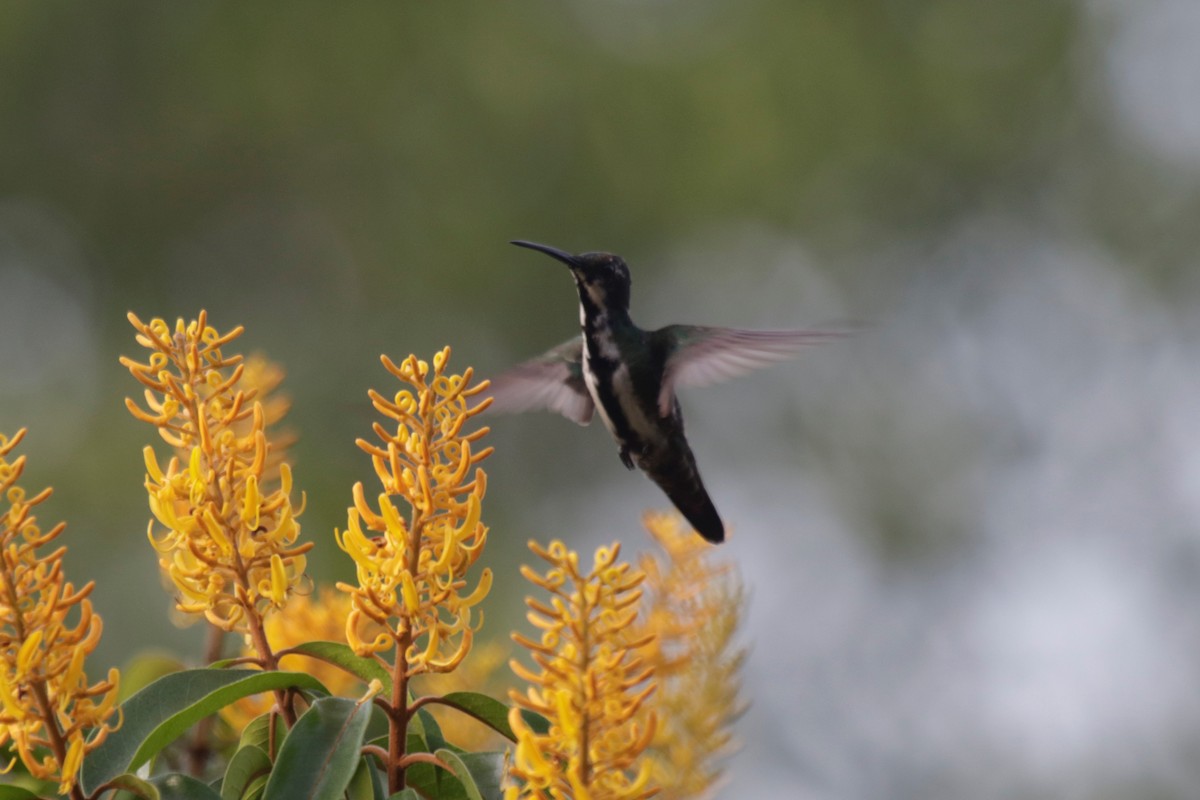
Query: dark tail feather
column 683, row 486
column 700, row 512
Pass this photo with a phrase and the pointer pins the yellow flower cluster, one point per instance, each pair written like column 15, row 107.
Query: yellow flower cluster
column 47, row 707
column 591, row 684
column 229, row 544
column 692, row 612
column 412, row 573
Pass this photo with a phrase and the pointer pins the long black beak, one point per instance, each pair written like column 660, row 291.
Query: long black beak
column 553, row 252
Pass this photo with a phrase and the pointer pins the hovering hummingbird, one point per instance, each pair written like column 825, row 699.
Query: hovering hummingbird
column 630, row 375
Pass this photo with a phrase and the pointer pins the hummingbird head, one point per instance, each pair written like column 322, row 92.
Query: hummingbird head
column 602, row 278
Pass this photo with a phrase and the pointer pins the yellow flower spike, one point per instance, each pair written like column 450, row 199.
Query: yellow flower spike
column 231, row 556
column 589, row 683
column 427, row 535
column 687, row 636
column 47, row 707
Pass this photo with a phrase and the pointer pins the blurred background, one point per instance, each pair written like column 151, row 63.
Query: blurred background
column 971, row 534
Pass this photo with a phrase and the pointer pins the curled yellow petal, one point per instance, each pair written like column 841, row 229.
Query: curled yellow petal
column 412, row 601
column 152, row 467
column 279, row 580
column 215, row 529
column 481, row 589
column 28, row 652
column 71, row 764
column 251, row 502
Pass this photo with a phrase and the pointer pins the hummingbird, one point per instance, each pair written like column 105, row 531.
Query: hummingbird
column 630, row 376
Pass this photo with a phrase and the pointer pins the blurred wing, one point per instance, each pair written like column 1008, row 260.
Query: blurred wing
column 553, row 381
column 700, row 356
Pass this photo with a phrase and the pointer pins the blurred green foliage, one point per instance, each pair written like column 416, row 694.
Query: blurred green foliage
column 342, row 179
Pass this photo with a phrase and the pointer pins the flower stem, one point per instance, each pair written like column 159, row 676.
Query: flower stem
column 270, row 661
column 50, row 720
column 398, row 735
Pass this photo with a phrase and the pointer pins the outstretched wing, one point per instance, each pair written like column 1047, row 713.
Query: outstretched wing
column 699, row 356
column 553, row 381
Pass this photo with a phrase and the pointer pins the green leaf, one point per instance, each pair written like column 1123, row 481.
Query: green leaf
column 164, row 710
column 247, row 764
column 488, row 710
column 378, row 727
column 138, row 787
column 433, row 732
column 16, row 793
column 461, row 772
column 536, row 722
column 183, row 787
column 433, row 741
column 416, row 728
column 432, row 781
column 256, row 788
column 488, row 770
column 321, row 752
column 406, row 794
column 378, row 779
column 144, row 669
column 361, row 786
column 258, row 732
column 340, row 655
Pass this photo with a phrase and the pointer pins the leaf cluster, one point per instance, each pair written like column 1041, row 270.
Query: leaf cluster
column 320, row 758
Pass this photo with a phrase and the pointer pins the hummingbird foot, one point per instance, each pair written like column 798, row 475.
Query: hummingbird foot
column 626, row 459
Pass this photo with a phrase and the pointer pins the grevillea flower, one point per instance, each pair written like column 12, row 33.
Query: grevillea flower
column 224, row 525
column 47, row 707
column 413, row 596
column 412, row 574
column 590, row 682
column 691, row 615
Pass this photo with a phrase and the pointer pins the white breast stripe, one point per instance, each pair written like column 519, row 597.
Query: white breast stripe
column 637, row 418
column 589, row 380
